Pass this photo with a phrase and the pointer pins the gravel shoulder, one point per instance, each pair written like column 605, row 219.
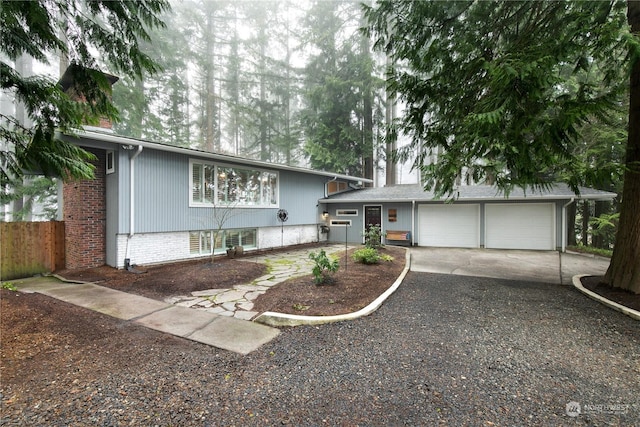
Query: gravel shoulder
column 443, row 349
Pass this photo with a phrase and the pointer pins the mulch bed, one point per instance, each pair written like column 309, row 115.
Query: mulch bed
column 351, row 288
column 621, row 296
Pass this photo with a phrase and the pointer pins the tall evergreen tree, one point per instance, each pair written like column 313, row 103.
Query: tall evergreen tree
column 484, row 81
column 337, row 90
column 156, row 107
column 624, row 270
column 82, row 31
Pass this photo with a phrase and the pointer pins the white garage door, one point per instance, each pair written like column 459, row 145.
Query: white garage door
column 452, row 226
column 520, row 226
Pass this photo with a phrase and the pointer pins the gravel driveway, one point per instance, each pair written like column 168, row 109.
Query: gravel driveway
column 443, row 349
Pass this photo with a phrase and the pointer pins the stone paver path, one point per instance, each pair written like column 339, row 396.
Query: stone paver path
column 238, row 301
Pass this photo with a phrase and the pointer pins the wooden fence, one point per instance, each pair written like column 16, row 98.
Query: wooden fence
column 28, row 248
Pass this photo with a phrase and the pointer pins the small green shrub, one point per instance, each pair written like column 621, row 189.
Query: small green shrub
column 323, row 266
column 300, row 307
column 366, row 256
column 386, row 258
column 373, row 237
column 8, row 285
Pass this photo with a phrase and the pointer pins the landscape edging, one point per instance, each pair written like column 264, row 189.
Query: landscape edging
column 271, row 318
column 577, row 283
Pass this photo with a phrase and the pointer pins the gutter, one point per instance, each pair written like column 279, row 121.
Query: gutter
column 326, row 186
column 126, row 141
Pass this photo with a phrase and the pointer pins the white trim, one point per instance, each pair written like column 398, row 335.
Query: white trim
column 344, row 212
column 340, row 223
column 110, row 159
column 122, row 140
column 233, row 205
column 364, row 220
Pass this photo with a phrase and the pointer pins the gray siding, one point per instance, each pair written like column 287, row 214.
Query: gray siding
column 161, row 192
column 353, row 234
column 162, row 198
column 299, row 195
column 404, row 219
column 403, row 222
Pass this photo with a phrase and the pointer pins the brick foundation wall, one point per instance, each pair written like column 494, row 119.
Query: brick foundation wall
column 85, row 218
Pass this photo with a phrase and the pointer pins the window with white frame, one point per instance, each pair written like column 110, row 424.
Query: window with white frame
column 341, row 223
column 110, row 165
column 201, row 242
column 214, row 185
column 347, row 212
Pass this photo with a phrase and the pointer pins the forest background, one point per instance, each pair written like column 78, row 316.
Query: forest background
column 293, row 83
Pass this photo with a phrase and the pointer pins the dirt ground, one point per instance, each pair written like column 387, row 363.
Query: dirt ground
column 163, row 281
column 51, row 348
column 41, row 334
column 350, row 288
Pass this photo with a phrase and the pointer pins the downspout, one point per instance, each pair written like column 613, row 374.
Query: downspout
column 132, row 158
column 413, row 221
column 564, row 223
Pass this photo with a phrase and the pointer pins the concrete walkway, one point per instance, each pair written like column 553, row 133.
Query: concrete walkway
column 201, row 326
column 220, row 315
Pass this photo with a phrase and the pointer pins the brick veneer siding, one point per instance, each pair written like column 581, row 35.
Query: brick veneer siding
column 85, row 218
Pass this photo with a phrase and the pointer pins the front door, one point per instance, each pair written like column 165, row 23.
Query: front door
column 372, row 217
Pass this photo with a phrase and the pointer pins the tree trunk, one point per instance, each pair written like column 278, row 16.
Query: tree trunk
column 586, row 216
column 391, row 143
column 624, row 270
column 367, row 112
column 263, row 125
column 597, row 239
column 210, row 91
column 571, row 225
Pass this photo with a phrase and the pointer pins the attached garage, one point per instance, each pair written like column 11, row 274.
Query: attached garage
column 520, row 226
column 478, row 216
column 450, row 225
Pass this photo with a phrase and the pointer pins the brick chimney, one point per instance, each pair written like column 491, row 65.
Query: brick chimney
column 70, row 85
column 84, row 201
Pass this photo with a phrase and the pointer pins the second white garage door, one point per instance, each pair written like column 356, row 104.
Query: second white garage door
column 453, row 226
column 520, row 226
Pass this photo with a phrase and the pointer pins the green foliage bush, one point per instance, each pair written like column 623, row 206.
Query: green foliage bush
column 373, row 237
column 323, row 266
column 366, row 256
column 370, row 256
column 8, row 285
